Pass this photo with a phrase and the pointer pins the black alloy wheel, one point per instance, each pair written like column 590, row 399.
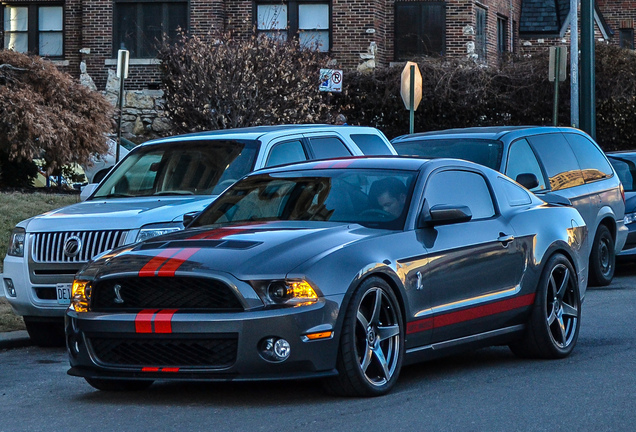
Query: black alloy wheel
column 553, row 328
column 372, row 342
column 602, row 258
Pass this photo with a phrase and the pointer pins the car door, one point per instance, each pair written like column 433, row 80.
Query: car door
column 286, row 150
column 474, row 268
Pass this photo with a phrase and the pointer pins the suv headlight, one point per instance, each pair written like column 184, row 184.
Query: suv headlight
column 151, row 231
column 16, row 243
column 286, row 293
column 630, row 218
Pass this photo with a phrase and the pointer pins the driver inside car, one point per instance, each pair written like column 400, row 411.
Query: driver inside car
column 389, row 194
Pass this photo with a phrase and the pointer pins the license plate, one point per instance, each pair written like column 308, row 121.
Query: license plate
column 63, row 293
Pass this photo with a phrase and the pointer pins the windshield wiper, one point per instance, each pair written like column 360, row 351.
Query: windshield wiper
column 115, row 195
column 174, row 192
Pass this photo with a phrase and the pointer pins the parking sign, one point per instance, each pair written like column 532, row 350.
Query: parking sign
column 330, row 80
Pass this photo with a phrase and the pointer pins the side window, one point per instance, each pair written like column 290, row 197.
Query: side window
column 371, row 144
column 593, row 164
column 522, row 160
column 515, row 194
column 460, row 188
column 558, row 160
column 328, row 147
column 286, row 152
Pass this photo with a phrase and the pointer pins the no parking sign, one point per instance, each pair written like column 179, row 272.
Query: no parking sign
column 330, row 80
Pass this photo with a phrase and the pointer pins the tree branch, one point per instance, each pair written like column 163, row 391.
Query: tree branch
column 11, row 67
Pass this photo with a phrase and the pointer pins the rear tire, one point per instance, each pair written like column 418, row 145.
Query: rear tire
column 554, row 324
column 118, row 385
column 602, row 258
column 372, row 342
column 45, row 333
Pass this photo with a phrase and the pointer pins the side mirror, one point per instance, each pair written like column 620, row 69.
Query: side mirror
column 527, row 180
column 87, row 191
column 189, row 217
column 443, row 214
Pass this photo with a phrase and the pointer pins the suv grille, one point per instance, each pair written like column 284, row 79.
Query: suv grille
column 49, row 247
column 163, row 293
column 215, row 353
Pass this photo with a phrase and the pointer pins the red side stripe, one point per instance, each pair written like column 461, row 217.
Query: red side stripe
column 152, row 265
column 163, row 321
column 143, row 321
column 169, row 268
column 342, row 164
column 170, row 370
column 150, row 369
column 470, row 314
column 321, row 165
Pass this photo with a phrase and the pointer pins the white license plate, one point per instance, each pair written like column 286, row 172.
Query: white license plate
column 63, row 293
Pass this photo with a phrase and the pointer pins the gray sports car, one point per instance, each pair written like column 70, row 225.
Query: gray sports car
column 343, row 270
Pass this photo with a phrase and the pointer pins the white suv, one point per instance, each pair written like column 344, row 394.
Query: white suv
column 147, row 194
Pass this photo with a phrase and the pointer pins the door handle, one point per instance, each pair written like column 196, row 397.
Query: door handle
column 505, row 239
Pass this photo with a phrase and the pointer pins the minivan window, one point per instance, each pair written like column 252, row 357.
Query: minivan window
column 194, row 168
column 484, row 152
column 371, row 144
column 558, row 160
column 593, row 164
column 460, row 188
column 328, row 147
column 522, row 160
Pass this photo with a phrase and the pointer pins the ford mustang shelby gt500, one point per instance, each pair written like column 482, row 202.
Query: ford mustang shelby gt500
column 343, row 270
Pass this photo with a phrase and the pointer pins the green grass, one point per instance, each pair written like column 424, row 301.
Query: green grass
column 14, row 207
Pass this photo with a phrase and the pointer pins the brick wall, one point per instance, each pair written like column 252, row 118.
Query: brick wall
column 619, row 14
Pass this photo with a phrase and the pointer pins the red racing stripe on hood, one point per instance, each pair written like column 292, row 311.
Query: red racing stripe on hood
column 170, row 267
column 151, row 266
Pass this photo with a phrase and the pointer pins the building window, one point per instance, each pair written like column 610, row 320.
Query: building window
column 502, row 35
column 480, row 33
column 309, row 20
column 420, row 29
column 142, row 26
column 34, row 28
column 626, row 36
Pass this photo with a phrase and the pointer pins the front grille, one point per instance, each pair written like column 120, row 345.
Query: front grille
column 49, row 247
column 46, row 293
column 163, row 293
column 215, row 353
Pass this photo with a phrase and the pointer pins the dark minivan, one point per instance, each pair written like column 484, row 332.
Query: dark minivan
column 549, row 161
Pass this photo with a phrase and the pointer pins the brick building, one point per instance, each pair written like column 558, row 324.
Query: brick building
column 356, row 33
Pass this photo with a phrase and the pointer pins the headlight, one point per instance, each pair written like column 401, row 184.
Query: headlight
column 286, row 292
column 80, row 295
column 147, row 233
column 16, row 243
column 630, row 218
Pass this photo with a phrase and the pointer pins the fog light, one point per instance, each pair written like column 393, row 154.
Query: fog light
column 274, row 349
column 8, row 283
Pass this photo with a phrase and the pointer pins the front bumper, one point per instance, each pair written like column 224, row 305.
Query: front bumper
column 170, row 355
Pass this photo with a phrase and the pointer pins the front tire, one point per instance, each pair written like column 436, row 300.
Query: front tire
column 372, row 342
column 118, row 385
column 602, row 257
column 553, row 328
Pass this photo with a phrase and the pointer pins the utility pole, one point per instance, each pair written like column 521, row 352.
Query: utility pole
column 574, row 63
column 588, row 96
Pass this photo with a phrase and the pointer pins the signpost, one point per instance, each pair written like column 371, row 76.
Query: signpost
column 122, row 73
column 330, row 80
column 411, row 90
column 557, row 72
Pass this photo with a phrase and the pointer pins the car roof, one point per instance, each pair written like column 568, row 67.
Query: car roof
column 258, row 132
column 358, row 162
column 488, row 132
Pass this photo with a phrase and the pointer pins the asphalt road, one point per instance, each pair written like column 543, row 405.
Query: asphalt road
column 487, row 390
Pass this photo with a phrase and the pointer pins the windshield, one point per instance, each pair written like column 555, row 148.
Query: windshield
column 181, row 168
column 373, row 198
column 484, row 152
column 625, row 166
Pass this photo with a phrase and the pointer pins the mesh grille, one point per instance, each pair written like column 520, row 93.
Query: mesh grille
column 163, row 293
column 49, row 247
column 211, row 353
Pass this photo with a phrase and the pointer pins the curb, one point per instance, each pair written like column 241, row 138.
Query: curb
column 15, row 339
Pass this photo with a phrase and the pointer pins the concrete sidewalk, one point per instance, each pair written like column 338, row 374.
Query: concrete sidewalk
column 14, row 339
